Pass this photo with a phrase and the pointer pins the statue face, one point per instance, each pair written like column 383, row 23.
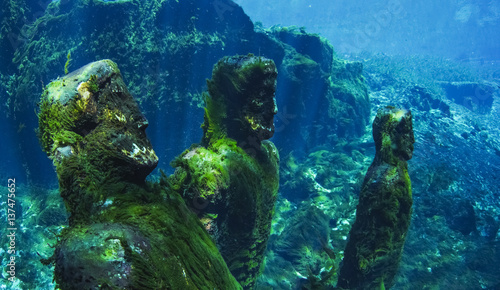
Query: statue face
column 393, row 132
column 402, row 134
column 105, row 123
column 244, row 88
column 259, row 109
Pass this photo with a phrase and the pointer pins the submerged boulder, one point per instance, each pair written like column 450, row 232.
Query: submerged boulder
column 302, row 252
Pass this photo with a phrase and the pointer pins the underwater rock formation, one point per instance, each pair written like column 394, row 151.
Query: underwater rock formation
column 322, row 174
column 231, row 179
column 166, row 50
column 324, row 98
column 475, row 96
column 124, row 232
column 422, row 99
column 373, row 252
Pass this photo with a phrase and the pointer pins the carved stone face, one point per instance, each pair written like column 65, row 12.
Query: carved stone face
column 243, row 88
column 393, row 133
column 259, row 108
column 91, row 113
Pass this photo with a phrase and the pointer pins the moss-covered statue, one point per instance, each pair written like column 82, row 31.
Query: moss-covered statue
column 124, row 233
column 383, row 215
column 231, row 179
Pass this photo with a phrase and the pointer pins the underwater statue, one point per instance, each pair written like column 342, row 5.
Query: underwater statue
column 377, row 237
column 124, row 232
column 231, row 179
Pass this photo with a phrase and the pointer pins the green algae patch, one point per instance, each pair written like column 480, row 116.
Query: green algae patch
column 234, row 196
column 150, row 246
column 68, row 103
column 182, row 255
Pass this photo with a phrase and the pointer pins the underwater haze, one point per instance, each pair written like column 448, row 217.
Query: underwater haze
column 235, row 144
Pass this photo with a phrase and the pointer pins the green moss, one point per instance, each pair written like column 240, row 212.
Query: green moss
column 68, row 61
column 164, row 242
column 215, row 113
column 92, row 83
column 55, row 124
column 192, row 260
column 224, row 174
column 205, row 173
column 181, row 256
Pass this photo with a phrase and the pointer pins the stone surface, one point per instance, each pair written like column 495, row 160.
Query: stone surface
column 95, row 256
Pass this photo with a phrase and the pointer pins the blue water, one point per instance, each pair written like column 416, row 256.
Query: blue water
column 439, row 59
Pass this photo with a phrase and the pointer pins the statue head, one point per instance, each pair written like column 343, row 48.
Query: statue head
column 90, row 114
column 393, row 134
column 240, row 103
